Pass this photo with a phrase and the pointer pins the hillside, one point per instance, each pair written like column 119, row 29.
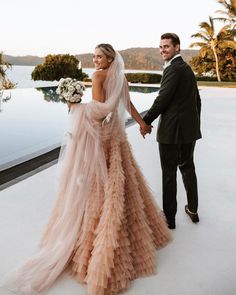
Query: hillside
column 27, row 60
column 134, row 58
column 139, row 58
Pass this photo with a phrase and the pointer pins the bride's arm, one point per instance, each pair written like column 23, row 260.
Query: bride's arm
column 136, row 116
column 144, row 128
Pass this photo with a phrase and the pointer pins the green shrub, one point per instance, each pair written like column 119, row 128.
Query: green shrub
column 209, row 78
column 205, row 78
column 58, row 66
column 87, row 80
column 146, row 78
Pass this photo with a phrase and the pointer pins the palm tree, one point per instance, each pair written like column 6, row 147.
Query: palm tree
column 2, row 71
column 212, row 42
column 5, row 83
column 229, row 12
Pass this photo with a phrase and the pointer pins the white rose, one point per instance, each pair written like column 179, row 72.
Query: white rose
column 67, row 97
column 71, row 88
column 73, row 99
column 78, row 87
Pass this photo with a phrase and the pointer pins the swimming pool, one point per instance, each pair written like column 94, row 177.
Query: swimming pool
column 33, row 120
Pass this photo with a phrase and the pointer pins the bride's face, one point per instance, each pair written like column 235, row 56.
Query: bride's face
column 100, row 60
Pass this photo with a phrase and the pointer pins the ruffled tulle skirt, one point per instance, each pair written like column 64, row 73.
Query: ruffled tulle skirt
column 105, row 227
column 122, row 227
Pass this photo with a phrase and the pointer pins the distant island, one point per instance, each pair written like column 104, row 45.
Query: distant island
column 134, row 58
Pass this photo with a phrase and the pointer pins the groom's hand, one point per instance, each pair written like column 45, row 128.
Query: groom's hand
column 144, row 129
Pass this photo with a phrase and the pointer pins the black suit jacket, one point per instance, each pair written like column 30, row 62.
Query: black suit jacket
column 178, row 104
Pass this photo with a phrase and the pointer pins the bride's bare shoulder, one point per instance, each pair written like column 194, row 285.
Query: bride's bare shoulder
column 99, row 75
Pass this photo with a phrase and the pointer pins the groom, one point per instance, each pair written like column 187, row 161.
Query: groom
column 178, row 104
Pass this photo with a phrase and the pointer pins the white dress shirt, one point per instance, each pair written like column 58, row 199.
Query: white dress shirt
column 167, row 63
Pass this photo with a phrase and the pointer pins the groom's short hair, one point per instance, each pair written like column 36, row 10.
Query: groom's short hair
column 174, row 38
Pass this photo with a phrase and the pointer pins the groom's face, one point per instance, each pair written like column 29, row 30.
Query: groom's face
column 168, row 50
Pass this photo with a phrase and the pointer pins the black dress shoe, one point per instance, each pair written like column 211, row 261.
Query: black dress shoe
column 194, row 216
column 171, row 224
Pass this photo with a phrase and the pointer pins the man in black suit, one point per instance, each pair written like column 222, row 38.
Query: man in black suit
column 178, row 104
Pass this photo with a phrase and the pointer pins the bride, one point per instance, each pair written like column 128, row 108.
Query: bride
column 105, row 227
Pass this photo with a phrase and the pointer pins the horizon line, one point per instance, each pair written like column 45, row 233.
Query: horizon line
column 191, row 49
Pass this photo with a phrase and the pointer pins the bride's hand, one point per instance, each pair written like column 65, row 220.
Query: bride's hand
column 107, row 119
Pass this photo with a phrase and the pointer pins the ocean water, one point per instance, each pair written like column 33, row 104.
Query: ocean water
column 22, row 76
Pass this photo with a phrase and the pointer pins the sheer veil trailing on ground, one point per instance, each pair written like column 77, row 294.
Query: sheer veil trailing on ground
column 89, row 219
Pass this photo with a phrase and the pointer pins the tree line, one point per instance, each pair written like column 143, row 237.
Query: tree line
column 217, row 54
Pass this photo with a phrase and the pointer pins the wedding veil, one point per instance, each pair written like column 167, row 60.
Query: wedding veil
column 82, row 167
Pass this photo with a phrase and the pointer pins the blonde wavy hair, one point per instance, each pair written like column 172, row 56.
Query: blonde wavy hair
column 108, row 50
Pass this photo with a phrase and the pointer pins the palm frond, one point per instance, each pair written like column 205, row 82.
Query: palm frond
column 204, row 51
column 230, row 7
column 208, row 28
column 222, row 12
column 198, row 44
column 222, row 19
column 200, row 35
column 224, row 33
column 205, row 26
column 227, row 44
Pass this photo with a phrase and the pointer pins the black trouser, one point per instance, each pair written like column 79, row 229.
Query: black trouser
column 173, row 156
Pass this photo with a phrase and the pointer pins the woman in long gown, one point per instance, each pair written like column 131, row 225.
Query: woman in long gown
column 105, row 226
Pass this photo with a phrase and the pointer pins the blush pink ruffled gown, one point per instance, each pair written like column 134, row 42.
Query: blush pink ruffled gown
column 105, row 226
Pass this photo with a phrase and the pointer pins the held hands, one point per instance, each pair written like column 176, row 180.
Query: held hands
column 144, row 129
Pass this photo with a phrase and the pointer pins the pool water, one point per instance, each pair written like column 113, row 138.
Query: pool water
column 33, row 120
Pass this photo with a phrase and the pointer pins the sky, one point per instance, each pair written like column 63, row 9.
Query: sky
column 30, row 27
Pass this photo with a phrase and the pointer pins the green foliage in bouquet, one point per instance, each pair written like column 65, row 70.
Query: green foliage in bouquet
column 58, row 66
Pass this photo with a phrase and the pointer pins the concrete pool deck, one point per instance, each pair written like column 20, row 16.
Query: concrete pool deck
column 201, row 260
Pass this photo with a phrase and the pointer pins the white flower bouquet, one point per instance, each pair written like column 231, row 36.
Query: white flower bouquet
column 70, row 90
